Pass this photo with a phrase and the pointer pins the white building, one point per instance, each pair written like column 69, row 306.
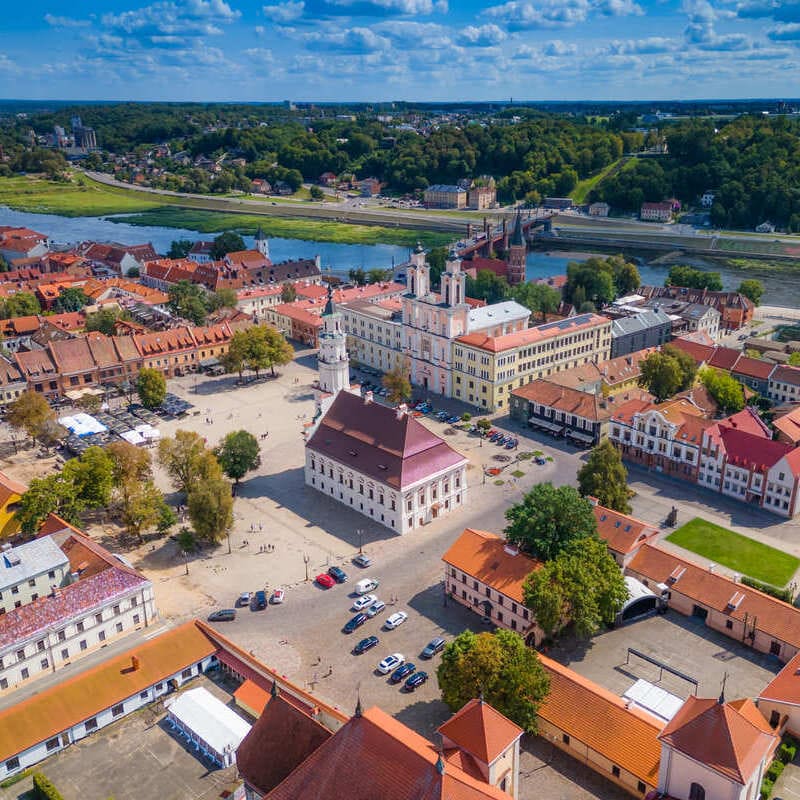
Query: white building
column 99, row 598
column 707, row 200
column 30, row 570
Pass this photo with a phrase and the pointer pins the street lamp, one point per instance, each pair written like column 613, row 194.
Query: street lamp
column 306, row 559
column 360, row 533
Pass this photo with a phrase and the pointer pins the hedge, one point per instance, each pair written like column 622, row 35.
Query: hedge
column 787, row 752
column 767, row 588
column 43, row 789
column 15, row 779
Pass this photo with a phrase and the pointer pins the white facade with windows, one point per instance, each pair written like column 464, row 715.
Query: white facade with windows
column 401, row 510
column 29, row 571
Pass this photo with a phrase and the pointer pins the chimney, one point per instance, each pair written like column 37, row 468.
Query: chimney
column 401, row 410
column 134, row 663
column 712, row 566
column 367, row 398
column 593, row 500
column 511, row 550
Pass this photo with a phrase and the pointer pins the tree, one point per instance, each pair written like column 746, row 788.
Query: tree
column 604, row 476
column 238, row 454
column 210, row 507
column 357, row 276
column 498, row 667
column 90, row 403
column 30, row 412
column 752, row 289
column 724, row 388
column 151, row 386
column 583, row 585
column 279, row 351
column 190, row 301
column 687, row 364
column 538, row 297
column 49, row 495
column 548, row 518
column 288, row 293
column 484, row 424
column 180, row 248
column 131, row 464
column 627, row 279
column 661, row 375
column 235, row 359
column 379, row 275
column 682, row 275
column 228, row 242
column 105, row 320
column 397, row 384
column 142, row 508
column 437, row 260
column 71, row 299
column 92, row 477
column 166, row 519
column 224, row 298
column 794, row 359
column 316, row 193
column 181, row 457
column 21, row 304
column 487, row 286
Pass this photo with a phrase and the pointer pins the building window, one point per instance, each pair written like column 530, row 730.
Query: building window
column 729, row 624
column 116, row 610
column 3, row 683
column 697, row 792
column 83, row 644
column 40, row 645
column 615, row 771
column 135, row 619
column 187, row 673
column 774, row 719
column 143, row 695
column 565, row 738
column 159, row 687
column 118, row 627
column 90, row 724
column 65, row 654
column 118, row 710
column 101, row 636
column 98, row 618
column 640, row 787
column 20, row 655
column 80, row 626
column 12, row 764
column 52, row 744
column 62, row 636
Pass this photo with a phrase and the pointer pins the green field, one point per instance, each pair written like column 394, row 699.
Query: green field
column 578, row 194
column 317, row 230
column 735, row 551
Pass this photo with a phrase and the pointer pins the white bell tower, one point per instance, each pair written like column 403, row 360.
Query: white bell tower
column 333, row 362
column 262, row 243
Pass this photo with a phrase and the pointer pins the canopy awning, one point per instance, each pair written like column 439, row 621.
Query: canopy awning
column 210, row 362
column 580, row 436
column 550, row 426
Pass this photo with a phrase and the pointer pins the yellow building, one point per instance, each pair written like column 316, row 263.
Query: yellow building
column 487, row 368
column 11, row 492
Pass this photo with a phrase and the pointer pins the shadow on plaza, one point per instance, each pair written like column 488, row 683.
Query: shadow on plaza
column 452, row 618
column 288, row 490
column 424, row 716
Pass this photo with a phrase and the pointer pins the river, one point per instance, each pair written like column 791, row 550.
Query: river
column 780, row 288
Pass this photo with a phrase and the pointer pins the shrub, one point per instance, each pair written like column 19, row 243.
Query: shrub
column 43, row 789
column 786, row 752
column 768, row 588
column 774, row 771
column 15, row 779
column 766, row 788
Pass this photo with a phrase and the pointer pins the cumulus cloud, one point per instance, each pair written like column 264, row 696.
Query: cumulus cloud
column 65, row 22
column 285, row 12
column 388, row 7
column 647, row 46
column 482, row 35
column 788, row 32
column 558, row 48
column 356, row 40
column 779, row 10
column 187, row 18
column 525, row 15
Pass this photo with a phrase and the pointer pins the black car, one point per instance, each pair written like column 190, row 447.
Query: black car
column 338, row 574
column 223, row 615
column 356, row 622
column 433, row 647
column 401, row 672
column 261, row 600
column 417, row 679
column 365, row 644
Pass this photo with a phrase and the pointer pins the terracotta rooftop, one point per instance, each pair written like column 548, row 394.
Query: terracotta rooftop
column 595, row 717
column 375, row 756
column 786, row 374
column 388, row 446
column 531, row 336
column 280, row 740
column 564, row 398
column 623, row 368
column 481, row 730
column 785, row 686
column 726, row 737
column 621, row 533
column 789, row 424
column 714, row 590
column 753, row 367
column 75, row 699
column 485, row 556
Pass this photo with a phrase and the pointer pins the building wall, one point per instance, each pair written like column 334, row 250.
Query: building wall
column 506, row 768
column 654, row 336
column 61, row 741
column 599, row 763
column 401, row 511
column 782, row 392
column 58, row 646
column 38, row 585
column 677, row 773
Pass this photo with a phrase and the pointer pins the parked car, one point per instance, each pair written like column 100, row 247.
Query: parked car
column 501, row 440
column 223, row 615
column 391, row 662
column 376, row 608
column 365, row 585
column 401, row 672
column 365, row 644
column 338, row 574
column 325, row 581
column 244, row 599
column 433, row 647
column 417, row 679
column 540, row 461
column 261, row 600
column 354, row 622
column 511, row 444
column 362, row 560
column 395, row 620
column 495, row 436
column 365, row 601
column 278, row 596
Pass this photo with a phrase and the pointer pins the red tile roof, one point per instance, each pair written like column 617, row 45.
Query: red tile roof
column 481, row 730
column 375, row 440
column 564, row 398
column 721, row 736
column 701, row 353
column 724, row 358
column 621, row 533
column 753, row 368
column 786, row 374
column 785, row 686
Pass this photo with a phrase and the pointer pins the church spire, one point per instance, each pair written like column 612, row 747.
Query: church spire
column 329, row 305
column 517, row 237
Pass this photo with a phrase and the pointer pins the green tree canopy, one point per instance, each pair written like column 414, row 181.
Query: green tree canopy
column 70, row 299
column 604, row 476
column 20, row 304
column 105, row 320
column 752, row 289
column 92, row 476
column 30, row 412
column 182, row 456
column 190, row 301
column 238, row 454
column 288, row 293
column 180, row 248
column 583, row 585
column 538, row 297
column 682, row 275
column 661, row 373
column 210, row 505
column 500, row 668
column 687, row 364
column 228, row 242
column 397, row 384
column 151, row 386
column 437, row 259
column 548, row 519
column 724, row 388
column 487, row 286
column 52, row 494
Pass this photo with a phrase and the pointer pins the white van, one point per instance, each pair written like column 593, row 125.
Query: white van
column 366, row 585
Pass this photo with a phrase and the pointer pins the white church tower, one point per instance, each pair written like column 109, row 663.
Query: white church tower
column 262, row 243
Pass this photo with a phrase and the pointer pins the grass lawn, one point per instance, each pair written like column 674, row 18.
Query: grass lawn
column 735, row 551
column 583, row 188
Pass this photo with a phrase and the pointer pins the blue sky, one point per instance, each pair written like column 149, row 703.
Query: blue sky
column 343, row 50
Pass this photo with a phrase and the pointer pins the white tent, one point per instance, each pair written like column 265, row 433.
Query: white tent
column 133, row 437
column 82, row 424
column 148, row 432
column 209, row 724
column 657, row 701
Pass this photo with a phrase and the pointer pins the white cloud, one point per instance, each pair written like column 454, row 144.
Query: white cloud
column 483, row 35
column 648, row 46
column 408, row 7
column 788, row 32
column 167, row 17
column 525, row 15
column 285, row 12
column 65, row 22
column 559, row 48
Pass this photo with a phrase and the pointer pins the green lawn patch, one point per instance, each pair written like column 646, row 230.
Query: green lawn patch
column 585, row 186
column 499, row 482
column 518, row 473
column 735, row 551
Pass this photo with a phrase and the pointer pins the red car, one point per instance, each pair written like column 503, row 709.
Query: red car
column 325, row 581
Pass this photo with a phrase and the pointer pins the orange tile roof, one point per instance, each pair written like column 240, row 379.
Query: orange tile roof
column 772, row 616
column 481, row 730
column 785, row 686
column 620, row 532
column 599, row 719
column 75, row 699
column 720, row 736
column 10, row 488
column 564, row 398
column 540, row 333
column 624, row 368
column 251, row 697
column 483, row 555
column 789, row 424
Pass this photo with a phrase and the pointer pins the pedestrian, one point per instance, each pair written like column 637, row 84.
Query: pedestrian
column 260, row 526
